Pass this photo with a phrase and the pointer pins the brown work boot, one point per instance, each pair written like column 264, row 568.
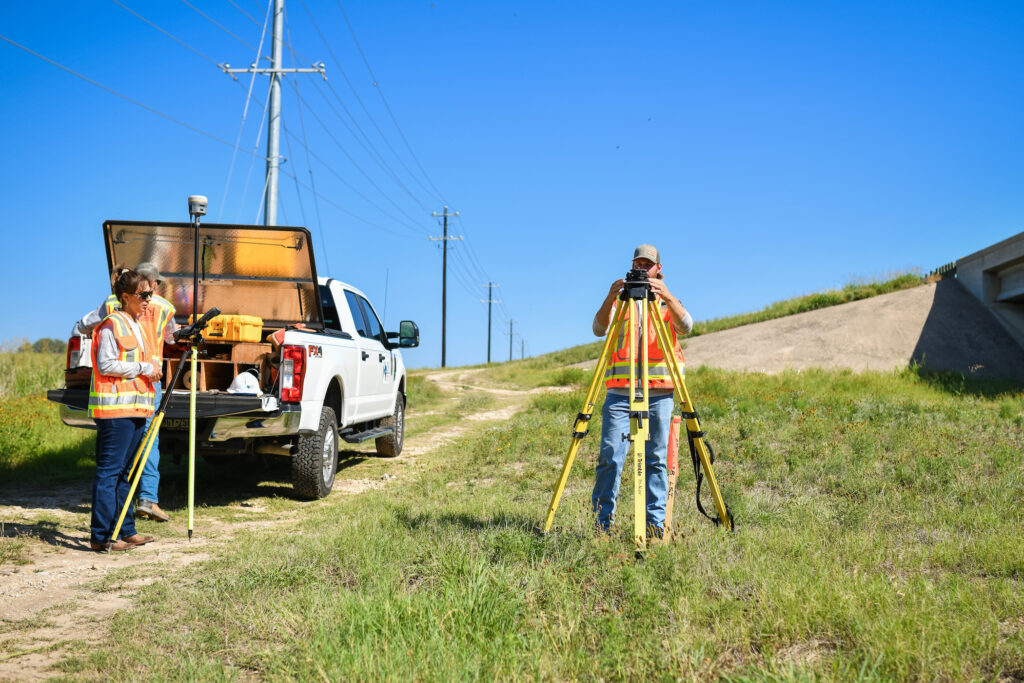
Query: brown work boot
column 116, row 546
column 148, row 508
column 137, row 539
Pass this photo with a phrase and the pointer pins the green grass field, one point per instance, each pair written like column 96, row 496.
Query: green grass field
column 879, row 537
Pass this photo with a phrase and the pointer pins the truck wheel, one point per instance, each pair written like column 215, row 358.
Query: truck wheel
column 391, row 444
column 316, row 459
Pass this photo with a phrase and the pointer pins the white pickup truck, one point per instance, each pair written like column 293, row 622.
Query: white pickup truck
column 336, row 375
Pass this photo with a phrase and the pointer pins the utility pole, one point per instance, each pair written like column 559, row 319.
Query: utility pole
column 511, row 334
column 274, row 107
column 522, row 348
column 444, row 275
column 490, row 300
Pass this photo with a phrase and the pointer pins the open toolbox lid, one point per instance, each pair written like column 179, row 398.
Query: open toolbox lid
column 243, row 269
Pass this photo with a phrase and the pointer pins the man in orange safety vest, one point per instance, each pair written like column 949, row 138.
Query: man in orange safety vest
column 615, row 412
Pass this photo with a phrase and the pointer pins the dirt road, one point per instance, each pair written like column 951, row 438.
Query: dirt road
column 65, row 592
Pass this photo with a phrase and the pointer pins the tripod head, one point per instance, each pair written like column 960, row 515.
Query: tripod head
column 193, row 333
column 637, row 286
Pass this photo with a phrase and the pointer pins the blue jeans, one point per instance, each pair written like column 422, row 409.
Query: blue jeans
column 117, row 439
column 150, row 481
column 614, row 449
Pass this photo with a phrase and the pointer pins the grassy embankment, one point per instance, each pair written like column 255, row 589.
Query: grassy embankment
column 853, row 291
column 879, row 537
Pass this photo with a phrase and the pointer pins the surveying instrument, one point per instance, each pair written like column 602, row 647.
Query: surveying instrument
column 636, row 316
column 192, row 334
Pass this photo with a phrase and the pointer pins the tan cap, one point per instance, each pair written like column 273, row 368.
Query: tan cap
column 648, row 252
column 150, row 272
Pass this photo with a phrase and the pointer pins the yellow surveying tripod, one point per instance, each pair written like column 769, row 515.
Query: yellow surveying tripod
column 637, row 297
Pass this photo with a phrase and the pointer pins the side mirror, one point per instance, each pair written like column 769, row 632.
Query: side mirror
column 408, row 334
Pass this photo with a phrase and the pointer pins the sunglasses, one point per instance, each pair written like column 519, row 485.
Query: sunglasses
column 143, row 295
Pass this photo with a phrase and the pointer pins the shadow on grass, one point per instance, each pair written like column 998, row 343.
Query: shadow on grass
column 48, row 532
column 466, row 521
column 958, row 385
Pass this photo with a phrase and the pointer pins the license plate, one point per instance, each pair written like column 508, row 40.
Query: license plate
column 175, row 424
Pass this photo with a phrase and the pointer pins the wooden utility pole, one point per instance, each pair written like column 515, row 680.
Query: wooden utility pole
column 444, row 276
column 490, row 300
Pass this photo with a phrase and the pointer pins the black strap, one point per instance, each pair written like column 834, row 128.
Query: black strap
column 688, row 416
column 698, row 473
column 576, row 433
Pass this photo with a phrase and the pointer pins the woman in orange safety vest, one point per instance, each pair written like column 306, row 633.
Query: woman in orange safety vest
column 120, row 400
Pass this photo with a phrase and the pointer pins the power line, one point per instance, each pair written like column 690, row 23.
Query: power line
column 245, row 111
column 235, row 5
column 123, row 97
column 351, row 159
column 309, row 166
column 212, row 21
column 373, row 121
column 376, row 84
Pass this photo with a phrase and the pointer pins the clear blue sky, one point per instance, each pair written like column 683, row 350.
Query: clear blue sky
column 768, row 149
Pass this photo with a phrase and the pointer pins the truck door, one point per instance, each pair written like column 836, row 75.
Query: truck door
column 376, row 372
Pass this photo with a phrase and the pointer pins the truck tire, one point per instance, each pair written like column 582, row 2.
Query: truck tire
column 391, row 444
column 316, row 459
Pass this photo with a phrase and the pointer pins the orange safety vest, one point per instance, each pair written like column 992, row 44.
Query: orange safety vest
column 153, row 323
column 110, row 305
column 111, row 396
column 658, row 376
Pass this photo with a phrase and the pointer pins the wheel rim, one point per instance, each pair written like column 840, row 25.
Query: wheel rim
column 399, row 426
column 328, row 455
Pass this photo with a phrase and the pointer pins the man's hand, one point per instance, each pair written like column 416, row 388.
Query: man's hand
column 661, row 290
column 156, row 374
column 616, row 289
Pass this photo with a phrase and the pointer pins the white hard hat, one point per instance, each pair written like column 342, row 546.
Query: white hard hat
column 245, row 383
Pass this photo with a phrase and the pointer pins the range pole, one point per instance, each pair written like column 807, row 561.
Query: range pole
column 273, row 107
column 490, row 300
column 444, row 276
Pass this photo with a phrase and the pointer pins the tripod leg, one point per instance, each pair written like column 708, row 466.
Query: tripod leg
column 142, row 454
column 639, row 421
column 692, row 423
column 583, row 417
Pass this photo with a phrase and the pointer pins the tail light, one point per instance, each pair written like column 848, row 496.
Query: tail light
column 74, row 352
column 293, row 366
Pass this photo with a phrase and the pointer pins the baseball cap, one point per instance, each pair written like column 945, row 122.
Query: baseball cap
column 648, row 252
column 150, row 272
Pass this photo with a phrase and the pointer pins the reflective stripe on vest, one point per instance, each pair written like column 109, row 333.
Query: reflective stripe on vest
column 153, row 323
column 111, row 396
column 111, row 305
column 658, row 374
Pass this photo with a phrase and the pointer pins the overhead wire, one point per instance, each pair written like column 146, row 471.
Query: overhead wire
column 215, row 23
column 122, row 96
column 394, row 120
column 320, row 225
column 252, row 162
column 245, row 111
column 235, row 5
column 351, row 159
column 356, row 191
column 359, row 99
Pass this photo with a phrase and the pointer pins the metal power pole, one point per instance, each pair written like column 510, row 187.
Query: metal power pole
column 522, row 348
column 490, row 300
column 274, row 108
column 444, row 276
